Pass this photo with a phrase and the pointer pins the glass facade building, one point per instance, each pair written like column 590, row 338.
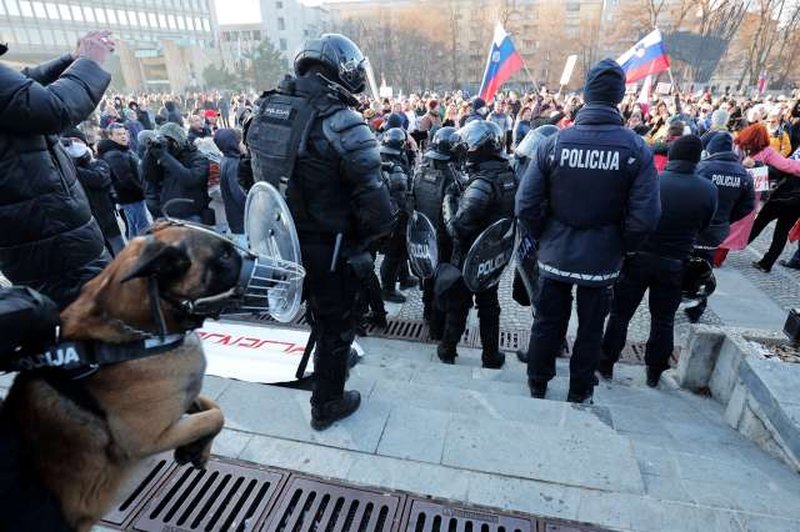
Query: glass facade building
column 163, row 43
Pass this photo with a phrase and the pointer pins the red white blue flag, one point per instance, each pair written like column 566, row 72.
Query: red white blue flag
column 503, row 62
column 646, row 58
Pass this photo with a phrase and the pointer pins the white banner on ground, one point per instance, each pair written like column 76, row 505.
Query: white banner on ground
column 568, row 68
column 254, row 353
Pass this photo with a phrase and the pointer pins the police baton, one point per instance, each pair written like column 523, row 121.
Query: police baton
column 312, row 342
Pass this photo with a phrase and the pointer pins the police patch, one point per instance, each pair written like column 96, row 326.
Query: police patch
column 278, row 111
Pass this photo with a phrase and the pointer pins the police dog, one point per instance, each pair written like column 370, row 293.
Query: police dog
column 83, row 437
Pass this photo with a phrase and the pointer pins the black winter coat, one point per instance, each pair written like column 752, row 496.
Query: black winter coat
column 125, row 171
column 688, row 204
column 184, row 176
column 95, row 177
column 735, row 195
column 48, row 237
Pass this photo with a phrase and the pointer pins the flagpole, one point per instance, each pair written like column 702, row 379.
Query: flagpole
column 528, row 72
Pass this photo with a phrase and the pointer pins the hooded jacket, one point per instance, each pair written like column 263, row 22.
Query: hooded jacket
column 233, row 195
column 735, row 195
column 589, row 195
column 183, row 175
column 48, row 238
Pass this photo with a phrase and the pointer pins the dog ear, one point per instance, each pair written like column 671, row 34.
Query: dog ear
column 162, row 260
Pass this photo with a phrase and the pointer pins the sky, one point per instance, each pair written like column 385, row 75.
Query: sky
column 247, row 11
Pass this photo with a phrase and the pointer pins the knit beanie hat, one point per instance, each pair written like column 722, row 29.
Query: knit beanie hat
column 720, row 142
column 605, row 83
column 687, row 148
column 175, row 132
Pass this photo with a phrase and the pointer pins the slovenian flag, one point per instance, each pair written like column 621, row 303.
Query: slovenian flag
column 647, row 57
column 503, row 62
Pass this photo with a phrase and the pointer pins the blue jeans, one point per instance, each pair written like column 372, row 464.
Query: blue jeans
column 137, row 218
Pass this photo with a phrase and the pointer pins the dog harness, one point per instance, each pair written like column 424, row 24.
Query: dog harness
column 79, row 359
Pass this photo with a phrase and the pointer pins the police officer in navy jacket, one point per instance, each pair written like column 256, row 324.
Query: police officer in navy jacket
column 589, row 196
column 688, row 204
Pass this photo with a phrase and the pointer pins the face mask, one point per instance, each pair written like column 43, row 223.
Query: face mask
column 76, row 150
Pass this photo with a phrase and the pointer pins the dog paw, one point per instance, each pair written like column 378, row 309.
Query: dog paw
column 194, row 454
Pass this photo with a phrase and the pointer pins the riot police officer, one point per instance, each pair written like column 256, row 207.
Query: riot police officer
column 396, row 171
column 526, row 149
column 433, row 177
column 487, row 198
column 588, row 197
column 306, row 138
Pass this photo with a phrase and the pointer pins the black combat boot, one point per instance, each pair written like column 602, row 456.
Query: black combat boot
column 392, row 296
column 447, row 353
column 325, row 414
column 329, row 401
column 653, row 376
column 606, row 369
column 538, row 388
column 489, row 326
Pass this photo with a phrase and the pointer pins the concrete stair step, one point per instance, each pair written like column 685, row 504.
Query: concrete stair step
column 540, row 440
column 406, row 362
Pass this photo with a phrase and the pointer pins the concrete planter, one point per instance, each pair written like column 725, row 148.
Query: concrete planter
column 761, row 394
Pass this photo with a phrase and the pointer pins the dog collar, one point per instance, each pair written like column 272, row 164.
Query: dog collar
column 84, row 358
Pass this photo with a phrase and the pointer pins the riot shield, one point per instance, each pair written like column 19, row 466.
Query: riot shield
column 271, row 233
column 423, row 253
column 527, row 267
column 489, row 255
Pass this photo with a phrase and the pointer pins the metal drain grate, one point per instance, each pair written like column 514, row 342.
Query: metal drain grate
column 139, row 487
column 310, row 505
column 223, row 497
column 425, row 516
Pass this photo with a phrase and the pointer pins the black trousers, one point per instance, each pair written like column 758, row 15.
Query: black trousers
column 458, row 303
column 663, row 278
column 330, row 297
column 786, row 214
column 434, row 311
column 395, row 260
column 553, row 308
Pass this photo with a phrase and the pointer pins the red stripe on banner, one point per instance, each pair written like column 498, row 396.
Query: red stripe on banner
column 659, row 64
column 504, row 73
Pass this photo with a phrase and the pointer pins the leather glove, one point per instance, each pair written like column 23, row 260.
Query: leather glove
column 29, row 323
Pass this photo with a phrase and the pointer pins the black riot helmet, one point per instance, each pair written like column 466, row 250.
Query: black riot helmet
column 393, row 141
column 340, row 58
column 443, row 144
column 482, row 137
column 528, row 146
column 698, row 279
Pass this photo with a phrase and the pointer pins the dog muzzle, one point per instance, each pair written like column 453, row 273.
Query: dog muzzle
column 265, row 285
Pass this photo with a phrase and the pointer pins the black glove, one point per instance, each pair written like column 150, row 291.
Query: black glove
column 157, row 150
column 362, row 264
column 29, row 323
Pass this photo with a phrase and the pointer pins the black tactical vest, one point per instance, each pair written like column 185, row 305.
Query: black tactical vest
column 504, row 189
column 429, row 187
column 276, row 129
